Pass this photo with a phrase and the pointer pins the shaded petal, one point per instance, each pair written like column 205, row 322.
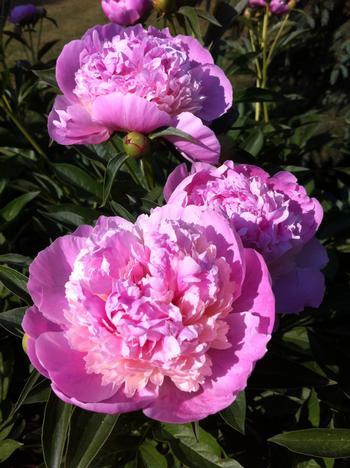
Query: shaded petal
column 196, row 51
column 218, row 91
column 177, row 176
column 206, row 148
column 66, row 369
column 128, row 112
column 313, row 254
column 70, row 124
column 300, row 288
column 256, row 295
column 48, row 274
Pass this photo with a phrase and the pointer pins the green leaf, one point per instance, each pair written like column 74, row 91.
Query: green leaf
column 202, row 453
column 11, row 320
column 54, row 430
column 112, row 169
column 254, row 143
column 47, row 76
column 234, row 415
column 15, row 282
column 7, row 447
column 191, row 14
column 258, row 95
column 330, row 443
column 15, row 259
column 14, row 207
column 208, row 17
column 89, row 433
column 78, row 178
column 313, row 406
column 119, row 210
column 171, row 131
column 151, row 457
column 32, row 380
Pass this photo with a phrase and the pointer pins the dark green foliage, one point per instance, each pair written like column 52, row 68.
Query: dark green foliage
column 295, row 411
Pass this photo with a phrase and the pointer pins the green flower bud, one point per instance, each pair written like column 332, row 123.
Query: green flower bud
column 164, row 6
column 25, row 342
column 136, row 145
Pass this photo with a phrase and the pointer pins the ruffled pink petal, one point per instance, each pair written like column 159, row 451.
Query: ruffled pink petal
column 117, row 404
column 217, row 89
column 205, row 148
column 49, row 273
column 66, row 368
column 177, row 176
column 71, row 124
column 128, row 112
column 196, row 51
column 231, row 369
column 96, row 35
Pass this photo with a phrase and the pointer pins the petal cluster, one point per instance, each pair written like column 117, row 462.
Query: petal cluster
column 133, row 79
column 125, row 12
column 277, row 7
column 273, row 215
column 168, row 314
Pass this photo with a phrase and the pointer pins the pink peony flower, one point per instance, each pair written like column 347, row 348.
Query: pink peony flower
column 273, row 215
column 132, row 79
column 279, row 7
column 168, row 315
column 125, row 12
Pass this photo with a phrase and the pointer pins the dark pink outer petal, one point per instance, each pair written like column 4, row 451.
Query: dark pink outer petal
column 66, row 369
column 128, row 112
column 249, row 335
column 178, row 175
column 206, row 147
column 67, row 65
column 217, row 89
column 50, row 271
column 34, row 324
column 303, row 285
column 71, row 124
column 118, row 403
column 196, row 51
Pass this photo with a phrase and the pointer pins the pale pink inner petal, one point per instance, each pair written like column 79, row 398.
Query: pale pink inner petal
column 149, row 302
column 150, row 64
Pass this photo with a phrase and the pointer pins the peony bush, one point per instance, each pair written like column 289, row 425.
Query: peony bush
column 174, row 234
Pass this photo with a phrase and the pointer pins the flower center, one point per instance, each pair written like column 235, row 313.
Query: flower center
column 150, row 64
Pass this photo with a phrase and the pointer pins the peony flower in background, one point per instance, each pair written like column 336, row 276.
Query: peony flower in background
column 133, row 79
column 26, row 14
column 168, row 315
column 273, row 215
column 125, row 12
column 277, row 7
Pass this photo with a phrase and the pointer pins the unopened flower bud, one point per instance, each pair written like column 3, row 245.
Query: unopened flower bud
column 164, row 6
column 136, row 145
column 25, row 342
column 292, row 4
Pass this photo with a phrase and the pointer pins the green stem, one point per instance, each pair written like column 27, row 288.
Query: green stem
column 31, row 45
column 39, row 35
column 7, row 108
column 258, row 74
column 128, row 165
column 275, row 41
column 264, row 43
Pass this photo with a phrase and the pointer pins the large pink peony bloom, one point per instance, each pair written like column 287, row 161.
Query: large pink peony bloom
column 132, row 79
column 273, row 215
column 125, row 12
column 168, row 315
